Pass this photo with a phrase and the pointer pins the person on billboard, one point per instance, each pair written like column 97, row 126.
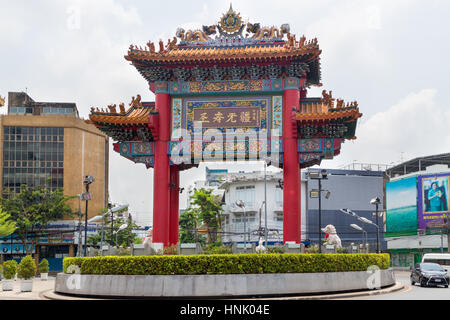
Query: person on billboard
column 435, row 198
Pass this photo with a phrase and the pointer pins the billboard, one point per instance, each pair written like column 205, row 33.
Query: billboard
column 433, row 200
column 401, row 205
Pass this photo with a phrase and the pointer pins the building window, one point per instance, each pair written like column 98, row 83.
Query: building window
column 279, row 196
column 33, row 160
column 59, row 111
column 246, row 194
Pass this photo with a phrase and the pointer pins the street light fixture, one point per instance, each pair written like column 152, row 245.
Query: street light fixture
column 348, row 212
column 122, row 227
column 363, row 220
column 319, row 176
column 356, row 227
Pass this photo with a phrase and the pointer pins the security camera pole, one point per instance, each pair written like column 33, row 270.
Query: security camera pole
column 87, row 181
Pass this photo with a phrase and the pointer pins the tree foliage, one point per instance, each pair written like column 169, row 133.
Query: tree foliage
column 7, row 226
column 33, row 208
column 203, row 208
column 189, row 221
column 124, row 238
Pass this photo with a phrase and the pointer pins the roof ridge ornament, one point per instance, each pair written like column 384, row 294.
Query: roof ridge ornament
column 231, row 24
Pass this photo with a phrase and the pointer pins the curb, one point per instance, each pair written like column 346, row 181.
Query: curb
column 51, row 295
column 394, row 288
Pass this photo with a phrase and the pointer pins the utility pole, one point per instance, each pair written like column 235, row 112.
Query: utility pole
column 87, row 181
column 265, row 203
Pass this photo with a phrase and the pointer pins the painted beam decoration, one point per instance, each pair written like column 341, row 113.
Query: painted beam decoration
column 137, row 151
column 313, row 151
column 187, row 88
column 197, row 151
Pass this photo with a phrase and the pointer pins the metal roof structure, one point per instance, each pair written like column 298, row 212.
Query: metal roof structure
column 418, row 164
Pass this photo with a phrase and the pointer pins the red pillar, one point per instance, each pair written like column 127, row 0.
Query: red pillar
column 174, row 204
column 161, row 175
column 291, row 170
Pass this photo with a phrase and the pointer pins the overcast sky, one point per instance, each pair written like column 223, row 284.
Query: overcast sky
column 390, row 56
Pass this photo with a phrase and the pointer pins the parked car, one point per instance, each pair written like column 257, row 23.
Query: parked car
column 429, row 274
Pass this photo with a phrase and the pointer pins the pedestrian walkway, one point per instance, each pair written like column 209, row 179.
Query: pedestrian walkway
column 39, row 287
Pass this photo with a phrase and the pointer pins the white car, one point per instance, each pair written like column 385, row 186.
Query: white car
column 443, row 259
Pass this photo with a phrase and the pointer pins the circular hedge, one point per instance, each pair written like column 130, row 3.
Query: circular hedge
column 226, row 264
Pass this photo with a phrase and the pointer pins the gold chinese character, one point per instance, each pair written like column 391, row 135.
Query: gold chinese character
column 245, row 117
column 218, row 117
column 204, row 117
column 232, row 117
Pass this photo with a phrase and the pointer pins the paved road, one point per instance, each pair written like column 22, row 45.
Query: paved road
column 411, row 292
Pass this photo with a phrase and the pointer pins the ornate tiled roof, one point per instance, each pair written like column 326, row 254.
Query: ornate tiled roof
column 277, row 51
column 124, row 125
column 320, row 117
column 265, row 47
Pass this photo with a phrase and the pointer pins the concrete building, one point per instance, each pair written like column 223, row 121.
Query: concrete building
column 250, row 220
column 412, row 227
column 48, row 140
column 352, row 189
column 349, row 189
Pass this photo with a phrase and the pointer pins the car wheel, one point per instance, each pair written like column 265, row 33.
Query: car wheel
column 422, row 283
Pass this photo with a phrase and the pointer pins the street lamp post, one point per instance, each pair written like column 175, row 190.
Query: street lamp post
column 80, row 241
column 363, row 220
column 122, row 227
column 241, row 204
column 319, row 176
column 356, row 227
column 376, row 201
column 94, row 219
column 265, row 203
column 112, row 211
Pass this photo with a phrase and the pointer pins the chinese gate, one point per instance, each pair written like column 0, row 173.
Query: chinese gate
column 233, row 97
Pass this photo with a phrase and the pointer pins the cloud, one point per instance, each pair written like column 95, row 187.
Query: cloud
column 416, row 126
column 373, row 52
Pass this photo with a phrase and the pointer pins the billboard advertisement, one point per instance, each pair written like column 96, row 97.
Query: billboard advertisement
column 401, row 205
column 433, row 200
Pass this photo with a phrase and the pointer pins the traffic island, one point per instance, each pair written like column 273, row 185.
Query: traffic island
column 222, row 276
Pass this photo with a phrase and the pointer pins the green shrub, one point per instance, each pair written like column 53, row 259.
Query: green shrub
column 26, row 268
column 9, row 269
column 228, row 264
column 312, row 249
column 217, row 249
column 43, row 266
column 275, row 250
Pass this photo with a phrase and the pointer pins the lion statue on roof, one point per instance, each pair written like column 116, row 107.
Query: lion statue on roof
column 331, row 236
